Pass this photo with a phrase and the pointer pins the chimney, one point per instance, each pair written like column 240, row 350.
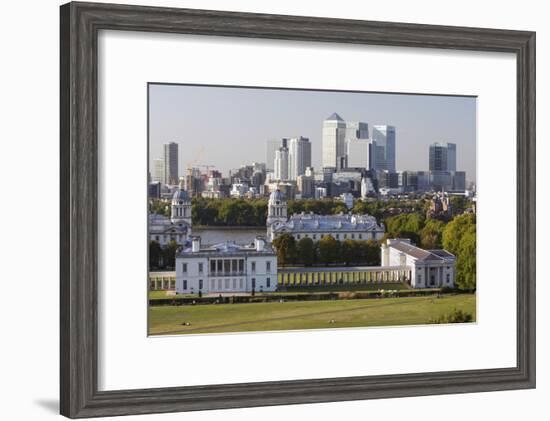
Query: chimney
column 259, row 243
column 196, row 244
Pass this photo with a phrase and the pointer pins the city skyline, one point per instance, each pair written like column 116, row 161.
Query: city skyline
column 203, row 120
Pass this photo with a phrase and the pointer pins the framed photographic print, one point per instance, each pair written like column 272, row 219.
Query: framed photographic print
column 286, row 209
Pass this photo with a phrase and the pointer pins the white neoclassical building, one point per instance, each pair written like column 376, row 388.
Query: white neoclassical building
column 176, row 228
column 310, row 225
column 226, row 268
column 427, row 268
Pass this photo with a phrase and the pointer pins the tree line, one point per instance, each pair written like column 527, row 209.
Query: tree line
column 162, row 257
column 253, row 212
column 326, row 251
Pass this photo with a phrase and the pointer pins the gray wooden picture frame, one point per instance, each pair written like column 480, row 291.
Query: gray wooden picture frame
column 80, row 23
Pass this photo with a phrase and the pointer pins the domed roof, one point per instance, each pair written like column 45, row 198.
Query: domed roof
column 276, row 196
column 180, row 195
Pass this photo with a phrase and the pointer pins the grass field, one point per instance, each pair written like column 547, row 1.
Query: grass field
column 216, row 318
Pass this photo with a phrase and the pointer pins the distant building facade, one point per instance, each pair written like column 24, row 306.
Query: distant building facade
column 281, row 163
column 442, row 157
column 309, row 225
column 299, row 156
column 383, row 137
column 170, row 163
column 428, row 268
column 226, row 268
column 359, row 153
column 163, row 230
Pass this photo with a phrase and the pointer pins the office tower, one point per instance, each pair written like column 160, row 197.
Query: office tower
column 270, row 147
column 443, row 157
column 356, row 130
column 384, row 147
column 158, row 170
column 359, row 153
column 299, row 156
column 281, row 163
column 171, row 163
column 334, row 136
column 459, row 181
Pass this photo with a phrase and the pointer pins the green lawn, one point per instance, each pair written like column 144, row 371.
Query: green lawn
column 213, row 318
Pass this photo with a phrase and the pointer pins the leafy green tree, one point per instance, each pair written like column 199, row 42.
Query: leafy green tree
column 459, row 237
column 245, row 213
column 411, row 222
column 329, row 250
column 169, row 254
column 285, row 246
column 155, row 255
column 260, row 212
column 432, row 233
column 349, row 252
column 295, row 207
column 160, row 207
column 339, row 208
column 466, row 261
column 229, row 213
column 306, row 251
column 453, row 232
column 458, row 203
column 372, row 252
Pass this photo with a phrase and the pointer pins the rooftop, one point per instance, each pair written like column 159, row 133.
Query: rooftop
column 227, row 248
column 341, row 222
column 334, row 116
column 419, row 253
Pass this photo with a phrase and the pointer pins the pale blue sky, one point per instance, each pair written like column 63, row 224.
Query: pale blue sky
column 231, row 125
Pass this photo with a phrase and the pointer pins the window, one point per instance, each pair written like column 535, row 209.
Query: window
column 184, row 284
column 227, row 284
column 172, row 284
column 241, row 283
column 184, row 267
column 227, row 266
column 268, row 266
column 353, row 236
column 234, row 284
column 268, row 282
column 298, row 236
column 241, row 265
column 360, row 236
column 234, row 266
column 253, row 266
column 200, row 267
column 219, row 284
column 212, row 266
column 213, row 284
column 253, row 283
column 337, row 236
column 220, row 266
column 315, row 236
column 200, row 283
column 157, row 238
column 345, row 236
column 448, row 277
